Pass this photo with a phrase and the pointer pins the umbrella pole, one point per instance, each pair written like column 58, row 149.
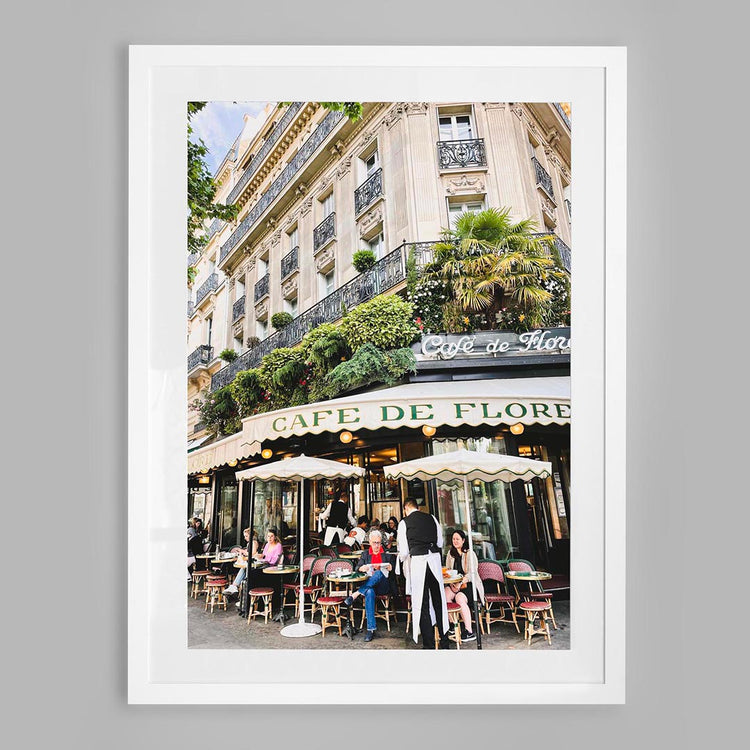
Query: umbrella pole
column 301, row 629
column 473, row 573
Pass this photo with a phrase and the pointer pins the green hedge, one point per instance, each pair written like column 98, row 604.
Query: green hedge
column 387, row 322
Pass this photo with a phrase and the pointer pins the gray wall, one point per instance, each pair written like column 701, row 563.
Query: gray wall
column 65, row 136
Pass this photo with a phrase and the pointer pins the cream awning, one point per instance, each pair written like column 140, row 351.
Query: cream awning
column 471, row 402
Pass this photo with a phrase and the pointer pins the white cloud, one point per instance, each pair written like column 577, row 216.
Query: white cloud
column 219, row 124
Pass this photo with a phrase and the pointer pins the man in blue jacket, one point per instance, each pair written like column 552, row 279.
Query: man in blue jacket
column 378, row 564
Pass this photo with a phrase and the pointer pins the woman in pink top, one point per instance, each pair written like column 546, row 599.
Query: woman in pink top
column 272, row 550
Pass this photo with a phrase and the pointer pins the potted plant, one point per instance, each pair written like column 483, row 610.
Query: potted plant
column 363, row 260
column 228, row 355
column 281, row 320
column 252, row 342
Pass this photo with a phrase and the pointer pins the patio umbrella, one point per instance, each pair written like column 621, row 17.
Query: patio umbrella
column 297, row 469
column 469, row 466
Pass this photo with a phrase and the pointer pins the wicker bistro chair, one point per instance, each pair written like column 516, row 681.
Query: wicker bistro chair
column 536, row 591
column 329, row 601
column 491, row 572
column 534, row 610
column 199, row 583
column 214, row 592
column 293, row 588
column 313, row 585
column 264, row 594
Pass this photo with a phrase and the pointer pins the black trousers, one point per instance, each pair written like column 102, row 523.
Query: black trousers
column 431, row 592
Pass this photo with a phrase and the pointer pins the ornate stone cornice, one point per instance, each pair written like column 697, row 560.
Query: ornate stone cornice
column 416, row 108
column 289, row 288
column 494, row 105
column 369, row 220
column 325, row 260
column 394, row 115
column 306, row 206
column 465, row 184
column 344, row 168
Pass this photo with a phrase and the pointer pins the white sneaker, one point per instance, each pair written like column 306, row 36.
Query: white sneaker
column 230, row 590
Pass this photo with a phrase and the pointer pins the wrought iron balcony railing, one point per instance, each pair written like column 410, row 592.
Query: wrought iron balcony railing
column 562, row 114
column 384, row 275
column 193, row 258
column 191, row 308
column 308, row 148
column 265, row 149
column 563, row 250
column 290, row 262
column 216, row 226
column 543, row 179
column 465, row 153
column 201, row 356
column 324, row 232
column 261, row 287
column 238, row 309
column 211, row 284
column 368, row 191
column 569, row 207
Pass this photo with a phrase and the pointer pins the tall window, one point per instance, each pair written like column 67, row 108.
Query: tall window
column 377, row 245
column 458, row 127
column 327, row 282
column 327, row 205
column 238, row 344
column 455, row 208
column 239, row 290
column 371, row 163
column 293, row 238
column 262, row 268
column 261, row 329
column 290, row 306
column 209, row 329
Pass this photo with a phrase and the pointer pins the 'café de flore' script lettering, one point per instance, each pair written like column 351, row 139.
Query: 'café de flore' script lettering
column 495, row 343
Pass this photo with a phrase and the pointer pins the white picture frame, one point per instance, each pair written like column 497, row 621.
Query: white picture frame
column 162, row 80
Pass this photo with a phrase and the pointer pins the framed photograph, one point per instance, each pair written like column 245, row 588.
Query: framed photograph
column 390, row 428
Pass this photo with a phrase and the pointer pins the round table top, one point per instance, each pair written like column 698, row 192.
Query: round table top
column 528, row 575
column 222, row 560
column 452, row 579
column 203, row 557
column 350, row 555
column 347, row 578
column 281, row 569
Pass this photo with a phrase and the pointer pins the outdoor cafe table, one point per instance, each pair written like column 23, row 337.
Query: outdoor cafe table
column 530, row 576
column 349, row 579
column 206, row 558
column 281, row 571
column 350, row 555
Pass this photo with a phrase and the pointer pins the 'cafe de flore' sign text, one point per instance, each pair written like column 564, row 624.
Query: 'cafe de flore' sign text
column 493, row 344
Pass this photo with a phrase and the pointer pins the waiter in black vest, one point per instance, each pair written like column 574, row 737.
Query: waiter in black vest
column 339, row 516
column 420, row 542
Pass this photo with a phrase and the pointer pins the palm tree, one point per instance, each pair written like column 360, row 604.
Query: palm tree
column 489, row 260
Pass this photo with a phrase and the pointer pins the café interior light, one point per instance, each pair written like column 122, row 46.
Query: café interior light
column 266, row 453
column 233, row 462
column 517, row 428
column 346, row 436
column 204, row 471
column 428, row 430
column 204, row 480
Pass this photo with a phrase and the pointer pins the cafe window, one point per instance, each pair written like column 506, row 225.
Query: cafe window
column 493, row 523
column 275, row 507
column 229, row 533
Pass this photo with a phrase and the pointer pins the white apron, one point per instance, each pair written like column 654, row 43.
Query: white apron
column 331, row 533
column 414, row 572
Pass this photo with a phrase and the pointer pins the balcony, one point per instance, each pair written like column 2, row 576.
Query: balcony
column 368, row 191
column 238, row 309
column 569, row 208
column 265, row 149
column 387, row 273
column 308, row 148
column 211, row 284
column 561, row 112
column 201, row 356
column 461, row 154
column 191, row 308
column 193, row 258
column 563, row 250
column 290, row 262
column 543, row 180
column 324, row 232
column 261, row 287
column 216, row 226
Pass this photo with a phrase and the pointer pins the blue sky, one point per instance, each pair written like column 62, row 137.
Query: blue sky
column 219, row 123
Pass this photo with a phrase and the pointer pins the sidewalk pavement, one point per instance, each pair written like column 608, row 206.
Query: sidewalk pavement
column 228, row 630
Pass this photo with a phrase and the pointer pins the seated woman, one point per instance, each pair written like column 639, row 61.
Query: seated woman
column 252, row 550
column 459, row 558
column 378, row 564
